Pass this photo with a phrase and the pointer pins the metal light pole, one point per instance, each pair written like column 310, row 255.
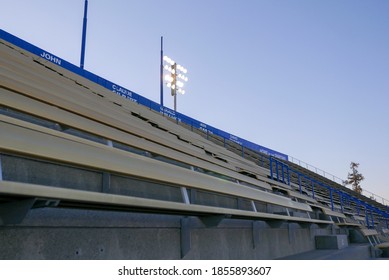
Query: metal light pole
column 161, row 74
column 175, row 80
column 173, row 90
column 83, row 43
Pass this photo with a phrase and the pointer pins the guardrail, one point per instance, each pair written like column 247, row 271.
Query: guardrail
column 337, row 180
column 316, row 170
column 282, row 173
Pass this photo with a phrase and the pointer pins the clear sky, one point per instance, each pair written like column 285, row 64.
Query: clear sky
column 306, row 78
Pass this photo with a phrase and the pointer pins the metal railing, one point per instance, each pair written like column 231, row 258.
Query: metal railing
column 337, row 180
column 344, row 198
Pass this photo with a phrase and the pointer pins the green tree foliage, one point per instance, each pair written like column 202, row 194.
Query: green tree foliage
column 354, row 178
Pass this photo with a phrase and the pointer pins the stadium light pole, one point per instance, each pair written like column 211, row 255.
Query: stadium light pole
column 176, row 79
column 161, row 73
column 83, row 42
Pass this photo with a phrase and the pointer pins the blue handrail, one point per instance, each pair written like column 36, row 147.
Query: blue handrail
column 276, row 165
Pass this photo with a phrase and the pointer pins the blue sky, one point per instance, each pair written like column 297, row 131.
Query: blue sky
column 306, row 78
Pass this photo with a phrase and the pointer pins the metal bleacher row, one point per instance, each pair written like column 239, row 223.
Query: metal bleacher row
column 68, row 142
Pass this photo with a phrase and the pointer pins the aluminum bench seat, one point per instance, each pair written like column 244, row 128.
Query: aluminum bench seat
column 100, row 113
column 48, row 93
column 295, row 194
column 32, row 140
column 374, row 238
column 137, row 127
column 85, row 199
column 328, row 211
column 34, row 107
column 142, row 111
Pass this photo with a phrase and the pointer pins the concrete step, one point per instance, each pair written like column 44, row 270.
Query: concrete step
column 352, row 252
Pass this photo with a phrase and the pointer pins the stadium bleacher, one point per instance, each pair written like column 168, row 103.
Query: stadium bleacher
column 69, row 143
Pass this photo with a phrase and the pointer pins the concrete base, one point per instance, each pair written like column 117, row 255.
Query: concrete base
column 352, row 252
column 384, row 253
column 55, row 233
column 331, row 241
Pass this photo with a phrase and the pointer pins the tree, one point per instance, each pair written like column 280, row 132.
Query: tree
column 354, row 178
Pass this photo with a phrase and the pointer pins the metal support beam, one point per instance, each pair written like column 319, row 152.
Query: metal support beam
column 367, row 218
column 300, row 187
column 283, row 172
column 185, row 196
column 184, row 191
column 332, row 200
column 253, row 206
column 109, row 143
column 277, row 172
column 313, row 189
column 288, row 176
column 371, row 243
column 40, row 203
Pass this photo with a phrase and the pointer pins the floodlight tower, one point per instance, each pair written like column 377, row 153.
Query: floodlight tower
column 176, row 79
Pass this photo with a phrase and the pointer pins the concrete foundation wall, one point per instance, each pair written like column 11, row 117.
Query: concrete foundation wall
column 54, row 233
column 331, row 241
